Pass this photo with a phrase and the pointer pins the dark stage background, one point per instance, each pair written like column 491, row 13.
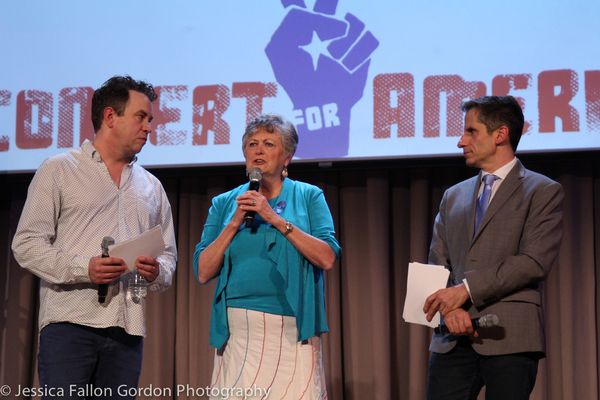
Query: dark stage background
column 383, row 213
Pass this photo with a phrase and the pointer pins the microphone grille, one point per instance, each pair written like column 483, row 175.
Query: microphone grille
column 489, row 320
column 255, row 174
column 107, row 241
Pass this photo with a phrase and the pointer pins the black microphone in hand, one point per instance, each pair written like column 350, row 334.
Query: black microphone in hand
column 487, row 321
column 103, row 287
column 255, row 178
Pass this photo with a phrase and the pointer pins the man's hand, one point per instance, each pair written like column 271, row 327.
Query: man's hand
column 446, row 300
column 459, row 323
column 105, row 269
column 148, row 267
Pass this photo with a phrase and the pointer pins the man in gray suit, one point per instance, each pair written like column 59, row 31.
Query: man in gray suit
column 498, row 252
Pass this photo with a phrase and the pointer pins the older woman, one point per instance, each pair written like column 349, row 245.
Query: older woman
column 268, row 309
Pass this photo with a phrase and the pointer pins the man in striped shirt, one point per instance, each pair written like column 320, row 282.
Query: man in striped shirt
column 75, row 199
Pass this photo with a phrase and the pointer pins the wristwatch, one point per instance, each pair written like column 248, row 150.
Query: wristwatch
column 288, row 228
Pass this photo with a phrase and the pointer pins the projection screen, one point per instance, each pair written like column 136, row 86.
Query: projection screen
column 360, row 79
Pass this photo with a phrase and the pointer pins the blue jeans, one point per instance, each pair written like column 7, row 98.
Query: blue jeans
column 462, row 372
column 77, row 361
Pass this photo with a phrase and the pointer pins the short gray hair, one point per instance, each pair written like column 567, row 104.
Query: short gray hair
column 273, row 123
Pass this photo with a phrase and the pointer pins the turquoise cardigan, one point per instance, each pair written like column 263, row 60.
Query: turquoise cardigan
column 304, row 206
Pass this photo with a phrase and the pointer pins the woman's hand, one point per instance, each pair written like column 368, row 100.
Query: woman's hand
column 254, row 201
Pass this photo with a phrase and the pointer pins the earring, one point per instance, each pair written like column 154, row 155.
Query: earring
column 284, row 173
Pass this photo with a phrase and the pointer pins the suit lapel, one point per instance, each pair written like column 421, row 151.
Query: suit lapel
column 470, row 201
column 507, row 188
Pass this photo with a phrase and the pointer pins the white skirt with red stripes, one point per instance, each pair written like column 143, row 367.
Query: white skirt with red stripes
column 262, row 359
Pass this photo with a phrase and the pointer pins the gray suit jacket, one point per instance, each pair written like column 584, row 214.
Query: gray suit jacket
column 504, row 262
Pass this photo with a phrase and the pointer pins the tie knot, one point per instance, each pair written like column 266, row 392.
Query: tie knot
column 489, row 179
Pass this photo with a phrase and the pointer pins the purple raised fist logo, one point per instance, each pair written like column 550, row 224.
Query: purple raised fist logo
column 322, row 63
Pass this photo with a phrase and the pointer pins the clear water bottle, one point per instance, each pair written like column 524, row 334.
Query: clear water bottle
column 137, row 286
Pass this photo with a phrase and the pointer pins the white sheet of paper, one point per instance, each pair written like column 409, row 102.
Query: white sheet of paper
column 423, row 280
column 149, row 244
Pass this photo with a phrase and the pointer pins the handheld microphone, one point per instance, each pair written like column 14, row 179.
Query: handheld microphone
column 103, row 287
column 255, row 178
column 487, row 321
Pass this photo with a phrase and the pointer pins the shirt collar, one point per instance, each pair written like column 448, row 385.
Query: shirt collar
column 503, row 171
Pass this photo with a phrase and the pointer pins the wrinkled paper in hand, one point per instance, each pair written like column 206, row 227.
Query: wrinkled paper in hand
column 149, row 244
column 423, row 280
